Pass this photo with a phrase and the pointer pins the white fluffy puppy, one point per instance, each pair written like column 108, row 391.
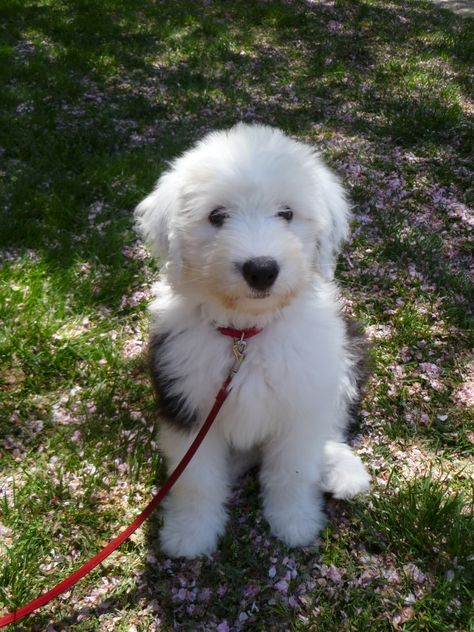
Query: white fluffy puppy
column 248, row 224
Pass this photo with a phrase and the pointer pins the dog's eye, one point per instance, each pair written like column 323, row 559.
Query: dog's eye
column 286, row 214
column 217, row 216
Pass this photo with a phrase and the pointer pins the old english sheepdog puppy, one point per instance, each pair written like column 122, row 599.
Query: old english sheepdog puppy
column 248, row 224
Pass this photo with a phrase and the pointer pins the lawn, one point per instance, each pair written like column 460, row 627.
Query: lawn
column 96, row 98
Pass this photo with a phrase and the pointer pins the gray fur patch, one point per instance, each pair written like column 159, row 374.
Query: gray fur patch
column 172, row 405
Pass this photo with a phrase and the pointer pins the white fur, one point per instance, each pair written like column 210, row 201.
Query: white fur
column 289, row 401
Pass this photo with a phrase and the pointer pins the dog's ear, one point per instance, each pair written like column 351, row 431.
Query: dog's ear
column 153, row 215
column 333, row 205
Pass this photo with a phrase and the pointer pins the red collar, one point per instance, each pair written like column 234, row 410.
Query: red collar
column 239, row 334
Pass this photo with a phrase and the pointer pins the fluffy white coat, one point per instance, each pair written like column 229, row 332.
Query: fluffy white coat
column 288, row 408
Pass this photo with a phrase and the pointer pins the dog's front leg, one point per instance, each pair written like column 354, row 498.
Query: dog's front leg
column 194, row 513
column 290, row 474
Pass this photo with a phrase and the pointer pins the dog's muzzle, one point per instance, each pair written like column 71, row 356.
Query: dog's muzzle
column 260, row 272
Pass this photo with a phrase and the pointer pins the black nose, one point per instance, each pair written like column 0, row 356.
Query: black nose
column 261, row 272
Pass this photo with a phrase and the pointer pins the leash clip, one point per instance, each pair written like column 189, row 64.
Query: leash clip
column 238, row 349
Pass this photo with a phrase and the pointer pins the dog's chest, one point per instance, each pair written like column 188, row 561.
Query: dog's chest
column 288, row 371
column 193, row 365
column 256, row 405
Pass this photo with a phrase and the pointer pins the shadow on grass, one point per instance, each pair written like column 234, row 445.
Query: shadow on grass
column 116, row 89
column 421, row 526
column 98, row 73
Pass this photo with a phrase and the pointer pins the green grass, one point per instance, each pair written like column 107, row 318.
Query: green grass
column 96, row 98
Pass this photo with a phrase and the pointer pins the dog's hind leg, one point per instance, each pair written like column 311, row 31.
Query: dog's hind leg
column 344, row 474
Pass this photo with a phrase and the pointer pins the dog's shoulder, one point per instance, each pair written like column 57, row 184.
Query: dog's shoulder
column 173, row 405
column 168, row 324
column 186, row 359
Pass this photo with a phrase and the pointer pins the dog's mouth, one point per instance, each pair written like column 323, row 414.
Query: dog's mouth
column 258, row 294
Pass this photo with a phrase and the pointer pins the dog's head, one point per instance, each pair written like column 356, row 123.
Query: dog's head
column 245, row 219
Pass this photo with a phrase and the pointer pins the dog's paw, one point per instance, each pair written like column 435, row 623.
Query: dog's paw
column 184, row 542
column 296, row 526
column 344, row 473
column 188, row 533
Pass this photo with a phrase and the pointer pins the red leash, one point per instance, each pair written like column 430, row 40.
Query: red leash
column 238, row 349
